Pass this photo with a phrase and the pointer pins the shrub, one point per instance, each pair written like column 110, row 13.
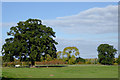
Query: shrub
column 8, row 64
column 88, row 62
column 80, row 63
column 80, row 60
column 95, row 62
column 98, row 63
column 55, row 62
column 4, row 64
column 12, row 64
column 115, row 63
column 18, row 63
column 91, row 61
column 26, row 63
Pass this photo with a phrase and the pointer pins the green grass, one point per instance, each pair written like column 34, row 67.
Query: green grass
column 79, row 71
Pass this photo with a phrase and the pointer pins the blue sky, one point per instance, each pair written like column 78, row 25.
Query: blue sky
column 85, row 25
column 16, row 11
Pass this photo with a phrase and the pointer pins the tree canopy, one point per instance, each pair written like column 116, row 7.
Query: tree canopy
column 106, row 54
column 70, row 53
column 29, row 39
column 118, row 59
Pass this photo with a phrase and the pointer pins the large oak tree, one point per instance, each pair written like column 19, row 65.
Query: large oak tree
column 29, row 40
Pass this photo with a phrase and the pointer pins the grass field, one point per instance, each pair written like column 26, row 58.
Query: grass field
column 79, row 71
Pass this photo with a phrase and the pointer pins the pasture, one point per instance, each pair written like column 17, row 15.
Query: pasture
column 72, row 71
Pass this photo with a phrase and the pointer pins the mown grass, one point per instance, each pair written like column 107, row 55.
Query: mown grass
column 77, row 71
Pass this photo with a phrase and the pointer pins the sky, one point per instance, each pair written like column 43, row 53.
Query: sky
column 84, row 25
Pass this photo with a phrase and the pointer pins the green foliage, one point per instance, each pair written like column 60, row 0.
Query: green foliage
column 29, row 38
column 95, row 61
column 72, row 60
column 91, row 61
column 42, row 58
column 88, row 62
column 25, row 63
column 115, row 63
column 118, row 60
column 106, row 54
column 59, row 54
column 80, row 60
column 48, row 57
column 70, row 53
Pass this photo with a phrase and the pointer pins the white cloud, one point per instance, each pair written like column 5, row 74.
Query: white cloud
column 94, row 20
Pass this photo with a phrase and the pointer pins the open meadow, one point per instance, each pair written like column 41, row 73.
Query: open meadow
column 72, row 71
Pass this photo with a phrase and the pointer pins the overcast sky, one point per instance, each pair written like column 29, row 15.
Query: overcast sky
column 85, row 25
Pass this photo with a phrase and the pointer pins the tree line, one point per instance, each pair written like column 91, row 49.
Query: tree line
column 32, row 41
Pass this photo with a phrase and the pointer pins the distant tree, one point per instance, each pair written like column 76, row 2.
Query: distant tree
column 118, row 59
column 79, row 59
column 29, row 39
column 70, row 53
column 59, row 54
column 106, row 54
column 72, row 59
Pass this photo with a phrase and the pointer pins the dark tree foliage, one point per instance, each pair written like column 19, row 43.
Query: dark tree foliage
column 79, row 59
column 30, row 40
column 118, row 60
column 106, row 54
